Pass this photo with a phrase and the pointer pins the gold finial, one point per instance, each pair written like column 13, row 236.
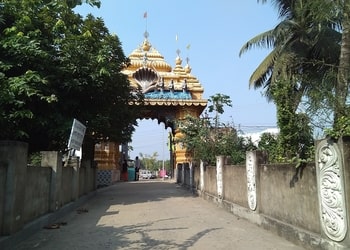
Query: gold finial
column 188, row 68
column 146, row 45
column 178, row 59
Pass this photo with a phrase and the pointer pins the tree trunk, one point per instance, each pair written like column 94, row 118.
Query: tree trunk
column 343, row 77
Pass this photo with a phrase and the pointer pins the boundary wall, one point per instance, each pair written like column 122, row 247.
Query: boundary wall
column 306, row 205
column 29, row 193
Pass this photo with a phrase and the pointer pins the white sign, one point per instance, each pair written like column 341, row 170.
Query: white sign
column 76, row 135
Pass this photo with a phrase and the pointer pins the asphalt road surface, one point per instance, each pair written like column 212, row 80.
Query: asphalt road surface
column 152, row 214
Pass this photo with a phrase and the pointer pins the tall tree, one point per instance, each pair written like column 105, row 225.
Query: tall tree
column 56, row 66
column 341, row 109
column 303, row 51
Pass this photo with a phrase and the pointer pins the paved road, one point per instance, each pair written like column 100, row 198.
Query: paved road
column 152, row 215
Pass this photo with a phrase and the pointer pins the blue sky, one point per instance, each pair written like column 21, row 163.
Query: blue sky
column 215, row 30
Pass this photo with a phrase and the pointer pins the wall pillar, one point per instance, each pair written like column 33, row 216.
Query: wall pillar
column 201, row 176
column 74, row 162
column 88, row 183
column 191, row 174
column 251, row 170
column 183, row 180
column 219, row 180
column 13, row 156
column 177, row 173
column 333, row 186
column 53, row 160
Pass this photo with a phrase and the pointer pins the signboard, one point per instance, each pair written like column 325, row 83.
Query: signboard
column 76, row 135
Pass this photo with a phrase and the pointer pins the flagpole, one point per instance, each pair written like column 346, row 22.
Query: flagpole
column 145, row 16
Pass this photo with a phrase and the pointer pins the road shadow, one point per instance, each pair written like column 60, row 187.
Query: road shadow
column 110, row 220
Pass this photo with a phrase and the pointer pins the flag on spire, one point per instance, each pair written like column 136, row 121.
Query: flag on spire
column 188, row 46
column 145, row 15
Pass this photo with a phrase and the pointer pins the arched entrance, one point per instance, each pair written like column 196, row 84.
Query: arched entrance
column 170, row 94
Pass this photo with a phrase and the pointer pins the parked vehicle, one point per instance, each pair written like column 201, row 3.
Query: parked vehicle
column 145, row 174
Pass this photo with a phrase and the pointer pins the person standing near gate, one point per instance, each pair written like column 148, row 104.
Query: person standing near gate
column 137, row 168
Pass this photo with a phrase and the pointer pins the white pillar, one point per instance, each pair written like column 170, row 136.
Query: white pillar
column 219, row 165
column 201, row 174
column 251, row 168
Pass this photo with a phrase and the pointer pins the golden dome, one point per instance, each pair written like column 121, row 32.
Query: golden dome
column 153, row 58
column 146, row 56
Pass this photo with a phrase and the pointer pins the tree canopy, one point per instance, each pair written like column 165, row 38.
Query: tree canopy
column 205, row 137
column 56, row 65
column 306, row 74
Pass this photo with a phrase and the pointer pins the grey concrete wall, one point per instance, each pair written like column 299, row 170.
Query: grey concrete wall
column 67, row 185
column 235, row 184
column 89, row 176
column 82, row 181
column 13, row 155
column 27, row 193
column 3, row 174
column 286, row 197
column 290, row 196
column 187, row 174
column 179, row 173
column 210, row 180
column 37, row 193
column 196, row 177
column 283, row 193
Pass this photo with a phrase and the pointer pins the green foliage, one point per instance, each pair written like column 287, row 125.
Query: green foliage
column 343, row 128
column 205, row 138
column 218, row 102
column 196, row 138
column 239, row 148
column 269, row 143
column 149, row 162
column 205, row 142
column 304, row 68
column 34, row 159
column 56, row 66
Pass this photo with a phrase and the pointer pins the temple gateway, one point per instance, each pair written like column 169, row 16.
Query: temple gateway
column 170, row 94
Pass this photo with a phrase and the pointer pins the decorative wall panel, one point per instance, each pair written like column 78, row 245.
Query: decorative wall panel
column 331, row 191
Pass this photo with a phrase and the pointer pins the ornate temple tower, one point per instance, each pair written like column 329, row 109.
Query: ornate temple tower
column 170, row 93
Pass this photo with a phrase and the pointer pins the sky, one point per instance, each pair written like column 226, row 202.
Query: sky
column 215, row 32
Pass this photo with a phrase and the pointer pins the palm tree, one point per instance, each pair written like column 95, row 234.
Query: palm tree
column 343, row 77
column 302, row 51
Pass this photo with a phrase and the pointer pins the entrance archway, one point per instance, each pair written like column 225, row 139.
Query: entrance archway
column 170, row 93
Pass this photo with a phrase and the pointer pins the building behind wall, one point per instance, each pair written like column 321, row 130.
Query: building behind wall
column 107, row 157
